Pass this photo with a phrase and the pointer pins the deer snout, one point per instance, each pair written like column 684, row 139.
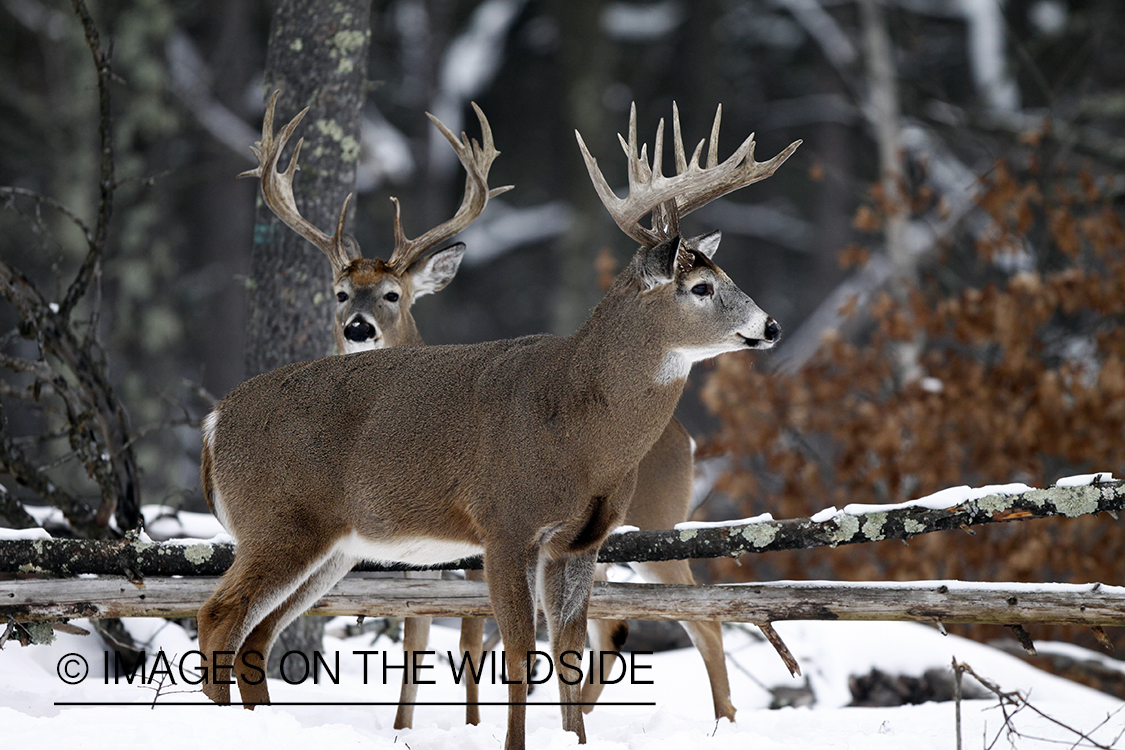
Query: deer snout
column 773, row 331
column 359, row 330
column 763, row 334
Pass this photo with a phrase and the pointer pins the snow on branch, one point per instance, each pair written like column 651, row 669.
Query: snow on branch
column 955, row 508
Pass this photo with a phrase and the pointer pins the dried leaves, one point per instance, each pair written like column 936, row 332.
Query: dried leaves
column 1023, row 364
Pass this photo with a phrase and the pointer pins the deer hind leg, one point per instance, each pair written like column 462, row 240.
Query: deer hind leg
column 472, row 649
column 258, row 644
column 415, row 635
column 259, row 581
column 706, row 636
column 605, row 635
column 511, row 573
column 566, row 597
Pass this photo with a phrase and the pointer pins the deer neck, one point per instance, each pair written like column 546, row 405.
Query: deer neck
column 406, row 333
column 616, row 371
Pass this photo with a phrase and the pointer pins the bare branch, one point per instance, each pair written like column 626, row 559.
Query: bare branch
column 73, row 364
column 1015, row 700
column 13, row 192
column 106, row 184
column 14, row 463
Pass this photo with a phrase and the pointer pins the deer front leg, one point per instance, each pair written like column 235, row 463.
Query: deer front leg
column 472, row 648
column 415, row 636
column 511, row 570
column 566, row 596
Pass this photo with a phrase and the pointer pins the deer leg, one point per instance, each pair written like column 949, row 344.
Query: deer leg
column 566, row 596
column 706, row 636
column 257, row 583
column 511, row 570
column 415, row 635
column 261, row 638
column 472, row 648
column 605, row 635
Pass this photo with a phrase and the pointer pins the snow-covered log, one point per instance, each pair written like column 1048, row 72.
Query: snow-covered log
column 955, row 508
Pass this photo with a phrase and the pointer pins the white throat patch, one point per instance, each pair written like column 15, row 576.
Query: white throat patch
column 351, row 347
column 675, row 367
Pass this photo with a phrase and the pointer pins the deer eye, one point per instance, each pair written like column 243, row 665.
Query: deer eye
column 341, row 296
column 703, row 290
column 391, row 296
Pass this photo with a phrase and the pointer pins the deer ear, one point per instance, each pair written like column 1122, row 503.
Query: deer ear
column 706, row 243
column 658, row 264
column 432, row 273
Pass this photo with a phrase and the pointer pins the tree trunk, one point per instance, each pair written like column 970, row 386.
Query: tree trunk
column 317, row 56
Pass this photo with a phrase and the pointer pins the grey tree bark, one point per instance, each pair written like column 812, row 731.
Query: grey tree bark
column 317, row 56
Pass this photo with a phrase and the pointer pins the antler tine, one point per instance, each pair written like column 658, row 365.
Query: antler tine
column 678, row 141
column 669, row 198
column 658, row 152
column 277, row 188
column 713, row 150
column 738, row 171
column 619, row 208
column 477, row 160
column 487, row 153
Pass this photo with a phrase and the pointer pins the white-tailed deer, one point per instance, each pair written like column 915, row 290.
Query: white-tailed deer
column 374, row 297
column 524, row 449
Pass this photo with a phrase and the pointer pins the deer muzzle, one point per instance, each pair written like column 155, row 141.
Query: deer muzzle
column 360, row 331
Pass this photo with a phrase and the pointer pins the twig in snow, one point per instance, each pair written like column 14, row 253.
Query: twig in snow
column 1013, row 702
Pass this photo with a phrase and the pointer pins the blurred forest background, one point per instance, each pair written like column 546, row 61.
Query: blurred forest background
column 945, row 252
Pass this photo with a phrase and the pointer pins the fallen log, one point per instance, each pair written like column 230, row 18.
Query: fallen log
column 1092, row 605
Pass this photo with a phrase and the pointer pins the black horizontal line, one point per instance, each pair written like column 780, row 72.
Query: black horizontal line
column 151, row 704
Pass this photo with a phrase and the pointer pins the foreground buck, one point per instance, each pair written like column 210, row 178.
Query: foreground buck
column 525, row 449
column 373, row 302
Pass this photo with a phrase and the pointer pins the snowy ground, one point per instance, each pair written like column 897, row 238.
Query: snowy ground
column 672, row 712
column 31, row 691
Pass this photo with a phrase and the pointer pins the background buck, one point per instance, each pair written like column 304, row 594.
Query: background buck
column 525, row 449
column 374, row 297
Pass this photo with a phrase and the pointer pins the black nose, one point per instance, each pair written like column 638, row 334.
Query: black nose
column 359, row 330
column 773, row 330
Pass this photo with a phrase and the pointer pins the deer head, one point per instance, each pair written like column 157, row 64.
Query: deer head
column 374, row 296
column 688, row 263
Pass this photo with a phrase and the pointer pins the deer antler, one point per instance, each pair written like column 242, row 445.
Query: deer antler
column 669, row 198
column 477, row 160
column 277, row 190
column 341, row 248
